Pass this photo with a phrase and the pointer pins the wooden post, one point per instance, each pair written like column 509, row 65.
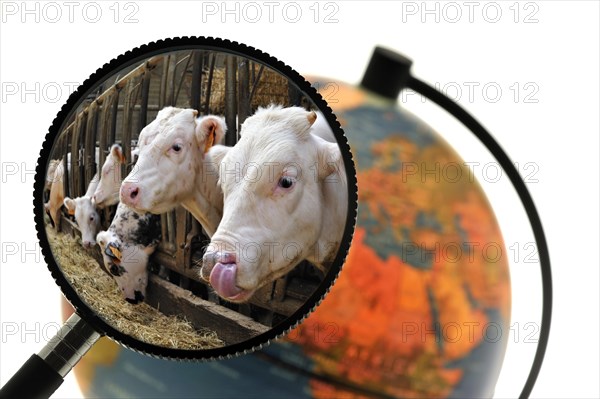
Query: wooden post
column 243, row 90
column 294, row 95
column 170, row 89
column 104, row 129
column 81, row 154
column 129, row 103
column 90, row 143
column 180, row 237
column 74, row 192
column 184, row 71
column 194, row 230
column 143, row 117
column 255, row 82
column 230, row 100
column 172, row 244
column 162, row 98
column 196, row 92
column 65, row 150
column 164, row 232
column 211, row 70
column 113, row 121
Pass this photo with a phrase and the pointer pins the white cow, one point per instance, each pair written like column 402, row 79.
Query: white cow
column 285, row 200
column 85, row 212
column 54, row 178
column 126, row 247
column 175, row 167
column 107, row 191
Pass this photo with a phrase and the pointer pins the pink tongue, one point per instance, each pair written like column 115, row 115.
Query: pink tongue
column 222, row 278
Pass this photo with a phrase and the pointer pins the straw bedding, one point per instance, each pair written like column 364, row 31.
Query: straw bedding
column 101, row 293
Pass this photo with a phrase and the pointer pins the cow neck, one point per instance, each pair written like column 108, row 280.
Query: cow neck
column 325, row 249
column 206, row 202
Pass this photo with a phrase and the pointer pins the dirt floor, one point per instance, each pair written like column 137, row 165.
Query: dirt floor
column 101, row 293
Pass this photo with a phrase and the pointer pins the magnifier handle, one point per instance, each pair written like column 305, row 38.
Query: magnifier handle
column 35, row 379
column 43, row 373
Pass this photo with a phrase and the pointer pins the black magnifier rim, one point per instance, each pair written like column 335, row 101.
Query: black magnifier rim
column 139, row 54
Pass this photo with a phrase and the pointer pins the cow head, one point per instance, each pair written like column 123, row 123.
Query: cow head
column 107, row 191
column 86, row 216
column 127, row 263
column 273, row 186
column 171, row 160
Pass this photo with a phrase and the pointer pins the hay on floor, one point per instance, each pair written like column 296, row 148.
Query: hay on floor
column 101, row 293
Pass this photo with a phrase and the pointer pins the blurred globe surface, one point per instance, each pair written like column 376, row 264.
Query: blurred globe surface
column 420, row 309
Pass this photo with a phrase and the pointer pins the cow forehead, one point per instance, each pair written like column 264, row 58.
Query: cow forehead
column 85, row 204
column 173, row 130
column 293, row 118
column 267, row 151
column 164, row 122
column 256, row 170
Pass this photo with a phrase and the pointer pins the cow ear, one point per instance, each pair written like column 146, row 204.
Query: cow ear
column 117, row 153
column 312, row 117
column 70, row 204
column 210, row 130
column 329, row 159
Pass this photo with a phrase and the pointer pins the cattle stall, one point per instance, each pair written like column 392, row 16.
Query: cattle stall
column 211, row 83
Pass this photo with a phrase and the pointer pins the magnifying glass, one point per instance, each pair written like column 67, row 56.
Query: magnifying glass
column 194, row 199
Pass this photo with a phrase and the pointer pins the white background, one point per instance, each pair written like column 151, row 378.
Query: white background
column 549, row 50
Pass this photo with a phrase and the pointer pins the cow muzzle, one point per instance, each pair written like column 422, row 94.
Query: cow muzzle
column 130, row 194
column 220, row 269
column 138, row 298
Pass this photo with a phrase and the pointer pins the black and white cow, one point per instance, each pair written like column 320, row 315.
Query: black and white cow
column 126, row 246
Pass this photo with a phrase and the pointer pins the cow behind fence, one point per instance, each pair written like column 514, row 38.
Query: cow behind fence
column 211, row 83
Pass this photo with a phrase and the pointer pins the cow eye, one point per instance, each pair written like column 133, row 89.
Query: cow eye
column 91, row 218
column 286, row 182
column 176, row 147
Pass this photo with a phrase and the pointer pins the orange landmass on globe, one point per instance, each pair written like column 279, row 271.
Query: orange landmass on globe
column 383, row 319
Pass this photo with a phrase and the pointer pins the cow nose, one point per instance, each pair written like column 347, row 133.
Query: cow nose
column 88, row 244
column 129, row 193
